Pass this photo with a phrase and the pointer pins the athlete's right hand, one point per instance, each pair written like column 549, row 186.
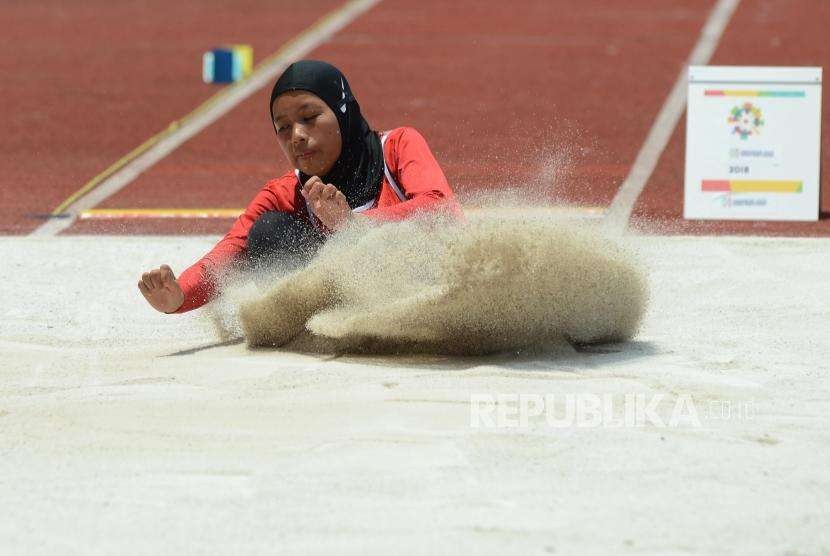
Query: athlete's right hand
column 161, row 290
column 327, row 202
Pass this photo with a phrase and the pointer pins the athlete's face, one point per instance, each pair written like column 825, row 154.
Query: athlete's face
column 308, row 132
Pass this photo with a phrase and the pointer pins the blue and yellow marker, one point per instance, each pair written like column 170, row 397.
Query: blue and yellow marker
column 227, row 64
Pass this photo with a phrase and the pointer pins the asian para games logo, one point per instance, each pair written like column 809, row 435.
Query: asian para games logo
column 746, row 120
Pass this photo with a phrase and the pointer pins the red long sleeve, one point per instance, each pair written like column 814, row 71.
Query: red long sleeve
column 198, row 282
column 419, row 176
column 410, row 162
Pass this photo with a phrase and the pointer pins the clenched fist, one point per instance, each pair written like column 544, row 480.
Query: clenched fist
column 327, row 202
column 161, row 290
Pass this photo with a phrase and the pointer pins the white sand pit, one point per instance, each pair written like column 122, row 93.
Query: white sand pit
column 128, row 431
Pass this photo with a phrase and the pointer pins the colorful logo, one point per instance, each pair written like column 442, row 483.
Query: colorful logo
column 746, row 120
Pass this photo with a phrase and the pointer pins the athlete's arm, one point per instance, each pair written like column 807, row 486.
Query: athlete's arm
column 198, row 284
column 421, row 179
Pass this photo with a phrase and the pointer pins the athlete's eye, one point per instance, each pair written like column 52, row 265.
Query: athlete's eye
column 282, row 128
column 310, row 118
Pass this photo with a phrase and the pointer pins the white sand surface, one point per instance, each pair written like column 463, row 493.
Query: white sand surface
column 118, row 436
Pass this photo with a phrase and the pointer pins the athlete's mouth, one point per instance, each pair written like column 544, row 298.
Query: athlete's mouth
column 304, row 155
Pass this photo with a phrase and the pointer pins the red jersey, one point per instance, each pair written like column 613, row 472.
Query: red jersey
column 413, row 181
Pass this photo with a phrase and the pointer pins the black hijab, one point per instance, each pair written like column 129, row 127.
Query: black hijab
column 358, row 172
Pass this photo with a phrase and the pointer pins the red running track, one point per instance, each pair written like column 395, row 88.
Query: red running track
column 553, row 99
column 84, row 83
column 764, row 33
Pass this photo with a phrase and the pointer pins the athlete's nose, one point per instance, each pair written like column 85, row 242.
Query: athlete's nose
column 298, row 135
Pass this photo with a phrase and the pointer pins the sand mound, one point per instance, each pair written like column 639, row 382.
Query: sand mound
column 428, row 285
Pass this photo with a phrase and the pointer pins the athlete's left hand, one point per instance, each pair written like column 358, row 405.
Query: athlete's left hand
column 328, row 203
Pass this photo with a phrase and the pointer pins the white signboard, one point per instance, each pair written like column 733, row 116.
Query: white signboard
column 753, row 141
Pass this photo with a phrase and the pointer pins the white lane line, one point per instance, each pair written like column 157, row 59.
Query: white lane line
column 262, row 76
column 661, row 130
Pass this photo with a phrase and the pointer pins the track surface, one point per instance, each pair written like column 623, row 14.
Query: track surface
column 553, row 98
column 87, row 82
column 762, row 32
